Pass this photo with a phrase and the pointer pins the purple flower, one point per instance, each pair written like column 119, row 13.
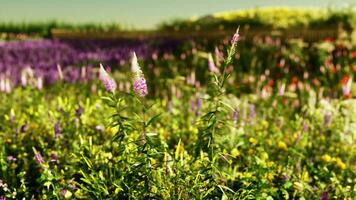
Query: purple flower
column 54, row 157
column 108, row 82
column 235, row 116
column 39, row 158
column 79, row 111
column 324, row 196
column 252, row 111
column 140, row 86
column 24, row 127
column 2, row 198
column 63, row 192
column 57, row 129
column 72, row 187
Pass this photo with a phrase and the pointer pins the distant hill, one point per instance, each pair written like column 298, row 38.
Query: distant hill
column 275, row 17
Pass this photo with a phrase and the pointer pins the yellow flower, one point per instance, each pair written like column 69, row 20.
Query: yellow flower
column 250, row 151
column 326, row 158
column 269, row 176
column 270, row 163
column 298, row 186
column 252, row 140
column 282, row 145
column 235, row 152
column 264, row 123
column 340, row 164
column 264, row 156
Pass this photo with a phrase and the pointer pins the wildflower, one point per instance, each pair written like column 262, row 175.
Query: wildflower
column 57, row 129
column 24, row 127
column 235, row 38
column 108, row 82
column 326, row 158
column 7, row 85
column 66, row 193
column 298, row 186
column 324, row 196
column 252, row 140
column 60, row 73
column 39, row 83
column 282, row 89
column 353, row 54
column 211, row 65
column 11, row 158
column 140, row 86
column 264, row 93
column 270, row 176
column 54, row 157
column 235, row 153
column 340, row 164
column 99, row 128
column 282, row 146
column 346, row 88
column 135, row 67
column 79, row 111
column 2, row 198
column 252, row 111
column 219, row 56
column 39, row 158
column 235, row 115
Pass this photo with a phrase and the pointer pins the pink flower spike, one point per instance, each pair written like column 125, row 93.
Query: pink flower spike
column 211, row 64
column 108, row 82
column 140, row 86
column 282, row 89
column 236, row 37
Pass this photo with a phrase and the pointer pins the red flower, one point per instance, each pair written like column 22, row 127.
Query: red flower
column 353, row 54
column 270, row 83
column 344, row 79
column 334, row 70
column 328, row 39
column 294, row 80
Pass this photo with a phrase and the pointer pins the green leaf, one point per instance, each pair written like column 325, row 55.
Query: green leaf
column 153, row 119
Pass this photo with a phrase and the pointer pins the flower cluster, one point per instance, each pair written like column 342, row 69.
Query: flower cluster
column 108, row 82
column 139, row 85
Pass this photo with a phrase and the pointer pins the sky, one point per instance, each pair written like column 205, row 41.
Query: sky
column 140, row 14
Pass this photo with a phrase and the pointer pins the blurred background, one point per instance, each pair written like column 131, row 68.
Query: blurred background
column 78, row 34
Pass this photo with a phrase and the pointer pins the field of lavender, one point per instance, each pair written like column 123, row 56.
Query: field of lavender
column 178, row 119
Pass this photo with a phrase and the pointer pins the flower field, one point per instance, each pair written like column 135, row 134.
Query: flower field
column 178, row 119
